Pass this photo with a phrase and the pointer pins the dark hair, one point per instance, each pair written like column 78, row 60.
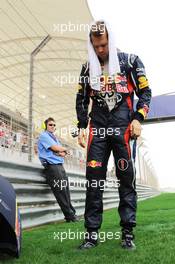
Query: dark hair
column 48, row 120
column 98, row 29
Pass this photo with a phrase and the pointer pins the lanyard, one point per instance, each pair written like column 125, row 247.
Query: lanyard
column 52, row 136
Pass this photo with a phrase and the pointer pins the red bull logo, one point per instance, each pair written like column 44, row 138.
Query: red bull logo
column 94, row 164
column 121, row 89
column 121, row 84
column 120, row 78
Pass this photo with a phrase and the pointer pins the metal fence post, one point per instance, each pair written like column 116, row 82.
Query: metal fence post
column 30, row 115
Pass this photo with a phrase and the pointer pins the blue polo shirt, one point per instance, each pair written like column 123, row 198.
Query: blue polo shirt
column 45, row 141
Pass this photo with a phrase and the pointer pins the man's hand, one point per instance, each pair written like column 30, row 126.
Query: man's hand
column 135, row 128
column 62, row 154
column 82, row 137
column 56, row 148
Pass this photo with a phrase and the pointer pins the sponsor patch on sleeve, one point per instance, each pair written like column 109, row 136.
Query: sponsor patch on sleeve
column 143, row 82
column 144, row 111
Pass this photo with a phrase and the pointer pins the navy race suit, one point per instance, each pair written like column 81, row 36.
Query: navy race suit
column 109, row 130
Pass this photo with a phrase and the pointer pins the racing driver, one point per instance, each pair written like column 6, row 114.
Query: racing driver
column 110, row 78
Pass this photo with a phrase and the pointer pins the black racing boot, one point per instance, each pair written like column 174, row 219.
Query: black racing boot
column 91, row 240
column 74, row 218
column 127, row 240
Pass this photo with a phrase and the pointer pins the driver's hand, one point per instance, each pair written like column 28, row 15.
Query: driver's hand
column 135, row 128
column 82, row 137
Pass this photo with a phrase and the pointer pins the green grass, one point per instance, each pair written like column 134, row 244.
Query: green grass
column 155, row 239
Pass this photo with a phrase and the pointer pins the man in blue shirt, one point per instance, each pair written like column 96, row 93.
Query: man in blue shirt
column 51, row 155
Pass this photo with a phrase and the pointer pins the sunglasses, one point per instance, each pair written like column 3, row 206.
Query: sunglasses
column 52, row 125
